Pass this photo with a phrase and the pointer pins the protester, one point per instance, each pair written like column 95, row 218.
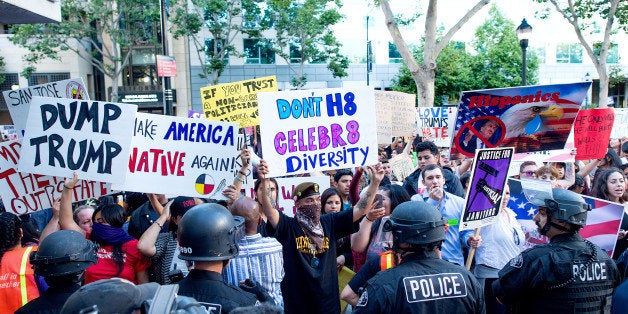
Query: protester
column 61, row 259
column 343, row 179
column 332, row 203
column 501, row 241
column 17, row 280
column 427, row 154
column 419, row 231
column 310, row 284
column 260, row 258
column 145, row 216
column 118, row 255
column 527, row 170
column 83, row 217
column 610, row 185
column 162, row 247
column 547, row 173
column 568, row 275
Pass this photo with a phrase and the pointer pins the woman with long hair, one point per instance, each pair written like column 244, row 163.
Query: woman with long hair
column 610, row 185
column 118, row 255
column 331, row 201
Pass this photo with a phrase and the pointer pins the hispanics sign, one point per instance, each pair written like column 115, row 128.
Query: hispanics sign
column 484, row 197
column 181, row 156
column 89, row 137
column 237, row 101
column 529, row 118
column 320, row 129
column 24, row 193
column 19, row 100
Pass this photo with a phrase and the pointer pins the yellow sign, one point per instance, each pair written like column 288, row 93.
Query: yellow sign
column 236, row 101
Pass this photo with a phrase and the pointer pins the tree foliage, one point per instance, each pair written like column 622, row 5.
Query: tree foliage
column 2, row 65
column 304, row 35
column 85, row 29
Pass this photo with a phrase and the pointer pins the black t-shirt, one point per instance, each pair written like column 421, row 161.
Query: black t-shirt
column 368, row 271
column 50, row 302
column 305, row 288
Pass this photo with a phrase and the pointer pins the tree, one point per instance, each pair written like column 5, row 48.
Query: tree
column 225, row 20
column 581, row 14
column 304, row 35
column 424, row 73
column 85, row 28
column 497, row 62
column 2, row 65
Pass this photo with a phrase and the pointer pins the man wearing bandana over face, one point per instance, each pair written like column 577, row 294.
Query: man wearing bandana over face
column 310, row 283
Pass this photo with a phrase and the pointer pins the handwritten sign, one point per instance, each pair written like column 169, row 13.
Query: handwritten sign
column 488, row 177
column 19, row 100
column 24, row 193
column 237, row 101
column 402, row 166
column 620, row 127
column 89, row 137
column 320, row 129
column 394, row 106
column 592, row 127
column 9, row 132
column 181, row 156
column 437, row 123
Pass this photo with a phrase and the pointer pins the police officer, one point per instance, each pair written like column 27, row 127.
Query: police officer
column 567, row 275
column 208, row 236
column 61, row 259
column 422, row 282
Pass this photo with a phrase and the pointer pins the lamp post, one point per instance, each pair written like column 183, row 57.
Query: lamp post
column 587, row 78
column 523, row 33
column 369, row 54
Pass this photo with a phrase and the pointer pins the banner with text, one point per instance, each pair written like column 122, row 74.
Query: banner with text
column 319, row 129
column 488, row 177
column 181, row 156
column 91, row 138
column 19, row 100
column 394, row 106
column 620, row 126
column 9, row 132
column 592, row 127
column 436, row 123
column 528, row 118
column 236, row 101
column 24, row 193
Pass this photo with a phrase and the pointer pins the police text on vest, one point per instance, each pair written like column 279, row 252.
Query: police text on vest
column 434, row 287
column 595, row 271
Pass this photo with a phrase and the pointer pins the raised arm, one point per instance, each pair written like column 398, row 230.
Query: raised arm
column 146, row 244
column 360, row 239
column 66, row 217
column 154, row 202
column 375, row 174
column 272, row 214
column 53, row 224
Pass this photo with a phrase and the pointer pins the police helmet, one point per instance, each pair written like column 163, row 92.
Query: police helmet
column 565, row 206
column 208, row 232
column 416, row 222
column 63, row 252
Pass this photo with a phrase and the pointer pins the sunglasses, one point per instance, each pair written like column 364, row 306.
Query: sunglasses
column 528, row 173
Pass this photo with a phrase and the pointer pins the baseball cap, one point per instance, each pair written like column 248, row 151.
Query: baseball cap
column 304, row 190
column 180, row 205
column 115, row 295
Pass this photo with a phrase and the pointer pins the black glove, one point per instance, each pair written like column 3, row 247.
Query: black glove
column 255, row 288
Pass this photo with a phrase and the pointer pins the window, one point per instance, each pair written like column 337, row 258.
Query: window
column 209, row 50
column 540, row 54
column 295, row 51
column 43, row 78
column 393, row 54
column 258, row 51
column 142, row 68
column 569, row 53
column 10, row 79
column 613, row 52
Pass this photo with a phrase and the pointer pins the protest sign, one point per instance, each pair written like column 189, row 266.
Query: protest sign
column 181, row 156
column 236, row 101
column 91, row 138
column 401, row 166
column 398, row 107
column 195, row 114
column 19, row 100
column 592, row 127
column 620, row 125
column 528, row 118
column 24, row 193
column 320, row 129
column 437, row 123
column 383, row 119
column 488, row 177
column 9, row 132
column 603, row 221
column 285, row 188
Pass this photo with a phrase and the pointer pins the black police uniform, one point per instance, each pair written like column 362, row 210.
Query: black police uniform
column 563, row 276
column 422, row 283
column 50, row 302
column 217, row 296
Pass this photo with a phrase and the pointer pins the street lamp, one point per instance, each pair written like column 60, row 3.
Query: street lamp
column 587, row 78
column 523, row 33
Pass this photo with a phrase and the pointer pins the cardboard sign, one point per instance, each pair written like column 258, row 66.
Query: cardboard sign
column 528, row 118
column 437, row 123
column 181, row 156
column 603, row 221
column 24, row 193
column 320, row 129
column 401, row 166
column 592, row 127
column 488, row 177
column 9, row 132
column 91, row 138
column 237, row 101
column 394, row 106
column 620, row 126
column 19, row 100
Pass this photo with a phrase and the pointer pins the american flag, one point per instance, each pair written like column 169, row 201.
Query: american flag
column 602, row 222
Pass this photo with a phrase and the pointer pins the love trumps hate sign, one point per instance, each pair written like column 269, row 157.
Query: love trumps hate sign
column 91, row 138
column 320, row 129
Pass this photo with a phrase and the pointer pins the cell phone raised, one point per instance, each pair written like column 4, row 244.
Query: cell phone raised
column 379, row 200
